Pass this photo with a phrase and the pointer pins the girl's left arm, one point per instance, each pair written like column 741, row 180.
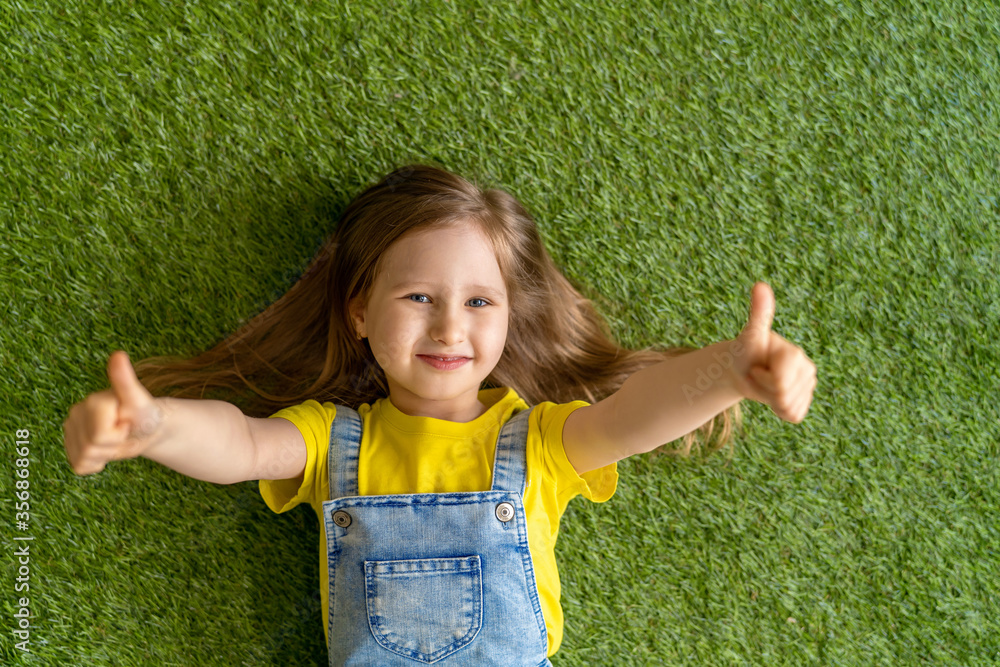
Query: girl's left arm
column 668, row 400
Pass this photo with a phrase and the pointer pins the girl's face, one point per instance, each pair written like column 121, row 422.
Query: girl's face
column 440, row 294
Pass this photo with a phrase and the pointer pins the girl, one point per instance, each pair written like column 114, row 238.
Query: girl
column 437, row 391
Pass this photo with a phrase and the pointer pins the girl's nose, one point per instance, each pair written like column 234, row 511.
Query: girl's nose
column 448, row 328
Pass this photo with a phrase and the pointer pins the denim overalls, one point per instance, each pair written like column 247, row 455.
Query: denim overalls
column 431, row 578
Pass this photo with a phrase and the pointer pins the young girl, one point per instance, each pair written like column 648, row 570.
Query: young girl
column 439, row 393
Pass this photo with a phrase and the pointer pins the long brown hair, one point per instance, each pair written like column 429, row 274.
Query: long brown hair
column 303, row 346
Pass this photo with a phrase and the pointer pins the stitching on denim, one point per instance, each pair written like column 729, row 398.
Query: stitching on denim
column 381, row 636
column 345, row 445
column 511, row 447
column 529, row 577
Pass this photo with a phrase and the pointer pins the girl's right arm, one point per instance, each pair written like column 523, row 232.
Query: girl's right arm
column 204, row 439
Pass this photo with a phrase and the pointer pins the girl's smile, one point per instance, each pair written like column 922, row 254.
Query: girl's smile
column 443, row 363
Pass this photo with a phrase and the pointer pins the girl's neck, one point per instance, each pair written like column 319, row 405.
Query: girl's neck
column 454, row 410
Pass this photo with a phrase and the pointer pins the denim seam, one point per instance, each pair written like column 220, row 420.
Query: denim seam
column 345, row 444
column 463, row 563
column 332, row 560
column 418, row 500
column 529, row 575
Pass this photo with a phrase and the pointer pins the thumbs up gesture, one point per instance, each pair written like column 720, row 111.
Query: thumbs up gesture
column 769, row 369
column 117, row 423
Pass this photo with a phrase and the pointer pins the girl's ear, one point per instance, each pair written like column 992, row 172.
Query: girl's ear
column 357, row 311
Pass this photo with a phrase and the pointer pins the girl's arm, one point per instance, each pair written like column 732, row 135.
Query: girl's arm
column 215, row 442
column 204, row 439
column 668, row 400
column 654, row 406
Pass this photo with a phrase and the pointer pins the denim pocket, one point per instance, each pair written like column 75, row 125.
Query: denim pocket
column 424, row 609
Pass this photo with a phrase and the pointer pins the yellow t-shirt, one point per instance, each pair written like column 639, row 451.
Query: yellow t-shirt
column 402, row 454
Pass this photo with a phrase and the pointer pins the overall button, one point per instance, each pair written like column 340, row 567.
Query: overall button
column 342, row 518
column 505, row 512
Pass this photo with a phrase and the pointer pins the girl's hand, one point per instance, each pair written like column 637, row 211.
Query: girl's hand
column 769, row 369
column 117, row 423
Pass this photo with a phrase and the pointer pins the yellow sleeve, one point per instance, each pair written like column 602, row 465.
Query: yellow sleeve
column 314, row 422
column 596, row 485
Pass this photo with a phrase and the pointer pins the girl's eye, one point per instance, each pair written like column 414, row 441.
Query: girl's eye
column 424, row 296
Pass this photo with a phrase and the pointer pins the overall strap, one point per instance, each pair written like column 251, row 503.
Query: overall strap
column 345, row 444
column 510, row 462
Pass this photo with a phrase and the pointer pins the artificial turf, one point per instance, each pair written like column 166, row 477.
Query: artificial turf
column 167, row 169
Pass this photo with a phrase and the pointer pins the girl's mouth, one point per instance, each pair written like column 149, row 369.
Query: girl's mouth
column 443, row 363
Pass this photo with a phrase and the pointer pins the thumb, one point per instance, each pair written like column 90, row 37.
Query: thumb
column 138, row 409
column 758, row 327
column 124, row 382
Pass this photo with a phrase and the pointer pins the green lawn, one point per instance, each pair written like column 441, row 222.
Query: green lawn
column 167, row 169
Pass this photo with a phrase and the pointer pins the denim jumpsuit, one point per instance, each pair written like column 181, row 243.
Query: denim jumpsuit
column 431, row 578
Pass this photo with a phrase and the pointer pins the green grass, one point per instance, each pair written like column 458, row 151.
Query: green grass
column 168, row 169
